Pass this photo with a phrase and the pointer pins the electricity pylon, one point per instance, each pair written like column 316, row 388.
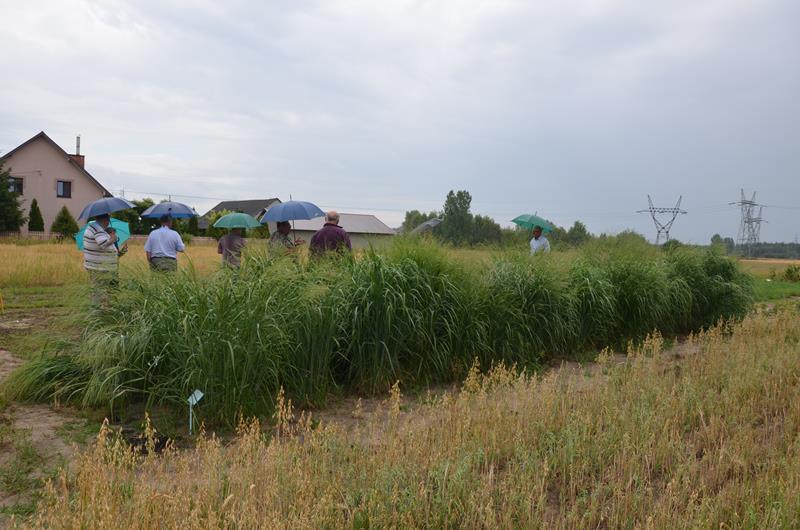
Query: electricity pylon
column 750, row 223
column 663, row 227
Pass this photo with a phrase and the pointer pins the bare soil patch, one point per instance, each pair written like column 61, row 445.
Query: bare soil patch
column 31, row 448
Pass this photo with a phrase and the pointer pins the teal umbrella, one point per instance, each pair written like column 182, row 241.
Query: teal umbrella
column 528, row 220
column 122, row 228
column 237, row 220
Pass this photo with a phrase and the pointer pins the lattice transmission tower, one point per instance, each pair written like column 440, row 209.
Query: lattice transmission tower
column 663, row 227
column 750, row 224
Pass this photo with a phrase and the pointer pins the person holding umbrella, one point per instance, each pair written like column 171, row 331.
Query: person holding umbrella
column 100, row 251
column 101, row 258
column 283, row 213
column 162, row 247
column 539, row 243
column 280, row 238
column 232, row 244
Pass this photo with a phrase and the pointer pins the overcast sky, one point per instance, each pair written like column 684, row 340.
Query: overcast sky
column 575, row 109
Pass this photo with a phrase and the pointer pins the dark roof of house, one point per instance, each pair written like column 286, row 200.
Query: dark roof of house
column 61, row 151
column 354, row 223
column 254, row 207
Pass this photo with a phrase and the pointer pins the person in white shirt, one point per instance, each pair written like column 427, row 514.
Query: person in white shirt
column 539, row 242
column 162, row 247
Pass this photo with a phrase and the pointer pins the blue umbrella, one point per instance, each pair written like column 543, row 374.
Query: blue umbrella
column 173, row 209
column 104, row 206
column 292, row 210
column 122, row 228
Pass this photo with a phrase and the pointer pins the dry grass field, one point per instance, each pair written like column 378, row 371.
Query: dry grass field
column 704, row 436
column 698, row 431
column 54, row 264
column 763, row 267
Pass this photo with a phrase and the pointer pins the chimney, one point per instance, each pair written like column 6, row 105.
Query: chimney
column 78, row 158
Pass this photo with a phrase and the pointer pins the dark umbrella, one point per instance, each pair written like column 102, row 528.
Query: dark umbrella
column 105, row 206
column 291, row 211
column 175, row 210
column 427, row 226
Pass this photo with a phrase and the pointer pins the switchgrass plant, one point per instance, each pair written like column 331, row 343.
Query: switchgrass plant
column 410, row 313
column 708, row 441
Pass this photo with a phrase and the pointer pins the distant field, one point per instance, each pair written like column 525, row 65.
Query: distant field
column 54, row 264
column 768, row 284
column 764, row 266
column 47, row 264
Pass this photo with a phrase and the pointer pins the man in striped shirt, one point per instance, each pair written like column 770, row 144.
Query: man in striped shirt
column 100, row 258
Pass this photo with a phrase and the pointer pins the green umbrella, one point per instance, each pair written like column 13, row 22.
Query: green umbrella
column 528, row 220
column 237, row 220
column 122, row 228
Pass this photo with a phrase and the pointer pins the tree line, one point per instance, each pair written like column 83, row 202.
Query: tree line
column 460, row 227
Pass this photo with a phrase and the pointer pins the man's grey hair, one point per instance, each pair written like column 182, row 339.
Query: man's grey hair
column 332, row 217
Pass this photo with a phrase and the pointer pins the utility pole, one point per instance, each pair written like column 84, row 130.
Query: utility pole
column 663, row 227
column 750, row 223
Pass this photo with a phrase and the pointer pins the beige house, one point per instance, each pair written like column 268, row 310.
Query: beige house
column 364, row 230
column 40, row 169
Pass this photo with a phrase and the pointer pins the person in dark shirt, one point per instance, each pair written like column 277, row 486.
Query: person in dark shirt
column 230, row 246
column 331, row 237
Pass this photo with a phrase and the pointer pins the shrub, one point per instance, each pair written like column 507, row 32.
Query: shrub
column 792, row 273
column 35, row 220
column 64, row 224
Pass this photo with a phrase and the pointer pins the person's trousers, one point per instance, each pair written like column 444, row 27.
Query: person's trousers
column 102, row 284
column 163, row 264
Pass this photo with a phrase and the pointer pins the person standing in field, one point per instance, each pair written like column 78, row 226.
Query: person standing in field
column 281, row 240
column 162, row 247
column 230, row 246
column 101, row 258
column 331, row 237
column 539, row 242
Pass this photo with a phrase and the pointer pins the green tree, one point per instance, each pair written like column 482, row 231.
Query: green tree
column 485, row 231
column 64, row 224
column 132, row 216
column 12, row 216
column 192, row 227
column 35, row 220
column 414, row 218
column 730, row 246
column 457, row 221
column 577, row 234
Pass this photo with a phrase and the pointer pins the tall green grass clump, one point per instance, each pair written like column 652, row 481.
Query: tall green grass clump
column 595, row 299
column 719, row 289
column 403, row 317
column 238, row 336
column 414, row 312
column 529, row 310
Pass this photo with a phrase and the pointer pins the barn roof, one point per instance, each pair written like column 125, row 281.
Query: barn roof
column 354, row 223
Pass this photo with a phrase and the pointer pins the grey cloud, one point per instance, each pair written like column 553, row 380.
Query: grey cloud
column 575, row 109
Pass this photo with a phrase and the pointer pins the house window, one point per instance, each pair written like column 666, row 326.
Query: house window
column 15, row 185
column 64, row 189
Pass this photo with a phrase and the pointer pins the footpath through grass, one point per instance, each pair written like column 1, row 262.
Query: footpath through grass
column 708, row 441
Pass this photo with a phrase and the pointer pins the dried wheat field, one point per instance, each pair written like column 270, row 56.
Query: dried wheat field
column 408, row 388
